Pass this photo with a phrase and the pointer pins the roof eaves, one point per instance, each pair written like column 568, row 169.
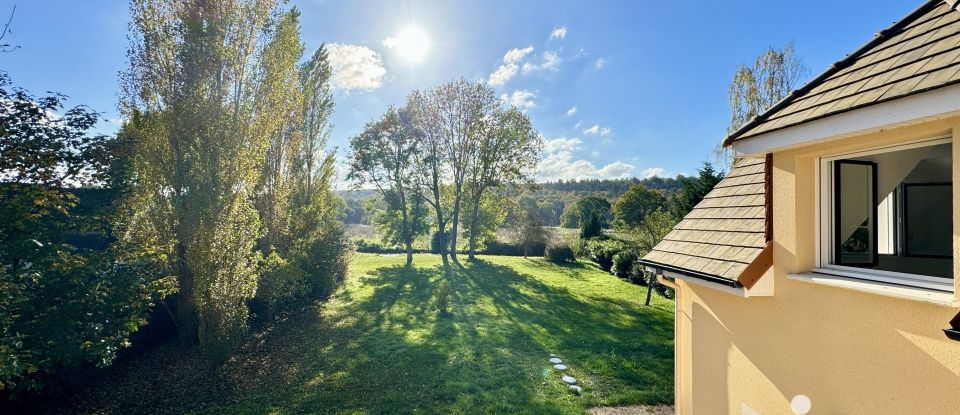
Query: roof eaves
column 694, row 274
column 834, row 68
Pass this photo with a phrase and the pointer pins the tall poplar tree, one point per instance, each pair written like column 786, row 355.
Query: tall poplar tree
column 201, row 86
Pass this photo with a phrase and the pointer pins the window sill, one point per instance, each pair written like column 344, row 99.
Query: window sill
column 941, row 298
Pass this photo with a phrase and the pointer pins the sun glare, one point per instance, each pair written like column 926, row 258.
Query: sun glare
column 412, row 43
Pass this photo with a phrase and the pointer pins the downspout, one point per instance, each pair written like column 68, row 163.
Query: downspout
column 676, row 342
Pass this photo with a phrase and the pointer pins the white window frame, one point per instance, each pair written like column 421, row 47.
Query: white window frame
column 824, row 229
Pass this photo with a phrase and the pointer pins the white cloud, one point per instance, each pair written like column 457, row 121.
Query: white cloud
column 515, row 55
column 597, row 129
column 520, row 98
column 653, row 171
column 550, row 62
column 577, row 125
column 561, row 144
column 355, row 67
column 571, row 111
column 558, row 163
column 510, row 66
column 561, row 165
column 600, row 63
column 558, row 33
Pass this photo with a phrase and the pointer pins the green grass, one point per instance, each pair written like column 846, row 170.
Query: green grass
column 379, row 346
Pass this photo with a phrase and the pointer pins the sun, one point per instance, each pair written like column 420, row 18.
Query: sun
column 411, row 43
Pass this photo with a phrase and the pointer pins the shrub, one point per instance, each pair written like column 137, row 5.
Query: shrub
column 603, row 250
column 442, row 297
column 281, row 282
column 324, row 260
column 560, row 253
column 591, row 226
column 68, row 308
column 494, row 247
column 623, row 263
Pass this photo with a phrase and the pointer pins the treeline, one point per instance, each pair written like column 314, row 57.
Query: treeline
column 217, row 197
column 551, row 198
column 615, row 187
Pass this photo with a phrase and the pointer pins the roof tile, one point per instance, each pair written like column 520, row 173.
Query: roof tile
column 725, row 231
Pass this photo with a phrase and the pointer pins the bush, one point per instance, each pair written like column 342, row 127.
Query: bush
column 602, row 251
column 591, row 226
column 281, row 282
column 442, row 297
column 494, row 247
column 560, row 253
column 623, row 263
column 69, row 308
column 324, row 260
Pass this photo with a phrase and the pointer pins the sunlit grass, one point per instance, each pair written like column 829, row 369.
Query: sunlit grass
column 379, row 346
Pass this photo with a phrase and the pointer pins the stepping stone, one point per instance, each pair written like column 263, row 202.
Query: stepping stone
column 559, row 366
column 556, row 360
column 570, row 380
column 576, row 389
column 552, row 355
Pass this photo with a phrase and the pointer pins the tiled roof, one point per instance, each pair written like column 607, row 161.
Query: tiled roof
column 917, row 54
column 725, row 233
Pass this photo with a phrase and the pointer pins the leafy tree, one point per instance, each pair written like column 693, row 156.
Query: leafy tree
column 390, row 221
column 60, row 306
column 757, row 87
column 354, row 212
column 570, row 218
column 592, row 225
column 655, row 227
column 206, row 89
column 452, row 119
column 695, row 189
column 585, row 208
column 382, row 155
column 280, row 92
column 490, row 214
column 508, row 150
column 431, row 163
column 532, row 233
column 633, row 207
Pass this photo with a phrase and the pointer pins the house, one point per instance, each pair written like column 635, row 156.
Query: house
column 819, row 275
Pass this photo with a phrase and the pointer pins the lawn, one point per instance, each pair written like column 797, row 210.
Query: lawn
column 379, row 346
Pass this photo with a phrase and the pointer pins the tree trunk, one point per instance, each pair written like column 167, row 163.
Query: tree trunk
column 186, row 313
column 454, row 227
column 405, row 228
column 650, row 284
column 474, row 217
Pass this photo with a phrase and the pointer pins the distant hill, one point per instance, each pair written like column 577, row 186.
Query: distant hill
column 613, row 188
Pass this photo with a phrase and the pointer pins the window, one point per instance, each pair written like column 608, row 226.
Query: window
column 888, row 215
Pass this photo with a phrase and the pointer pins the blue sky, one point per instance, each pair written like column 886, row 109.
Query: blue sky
column 648, row 79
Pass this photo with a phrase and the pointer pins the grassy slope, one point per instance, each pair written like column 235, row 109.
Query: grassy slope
column 379, row 347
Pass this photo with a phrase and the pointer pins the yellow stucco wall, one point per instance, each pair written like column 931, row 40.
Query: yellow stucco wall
column 849, row 352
